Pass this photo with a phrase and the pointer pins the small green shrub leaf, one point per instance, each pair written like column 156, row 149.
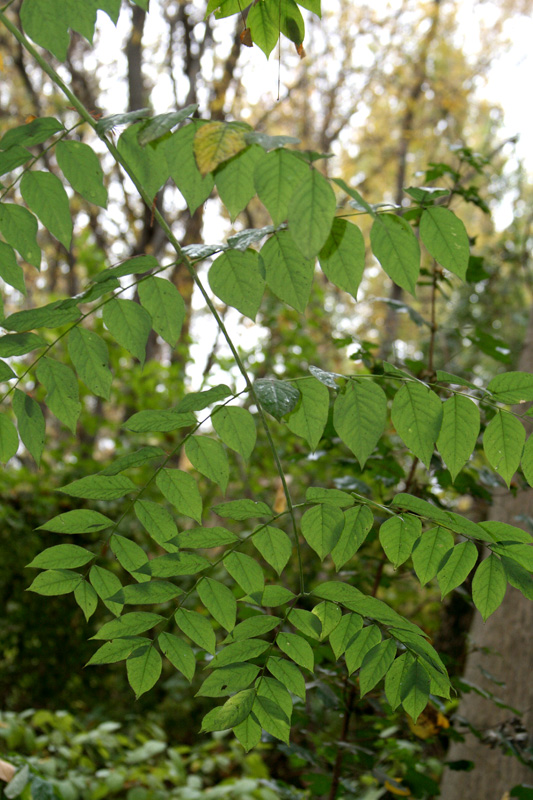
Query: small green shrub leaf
column 62, row 556
column 89, row 355
column 359, row 417
column 415, row 689
column 62, row 396
column 397, row 250
column 306, row 622
column 358, row 522
column 288, row 674
column 398, row 536
column 362, row 643
column 228, row 680
column 209, row 457
column 276, row 397
column 309, row 418
column 9, row 440
column 322, row 527
column 344, row 633
column 19, row 228
column 242, row 509
column 31, row 425
column 219, row 601
column 276, row 178
column 236, row 427
column 166, row 307
column 10, row 271
column 146, row 163
column 512, row 387
column 287, row 271
column 206, row 537
column 429, row 551
column 55, row 581
column 45, row 195
column 446, row 239
column 232, row 713
column 235, row 179
column 239, row 651
column 395, row 679
column 417, row 416
column 99, row 487
column 296, row 648
column 459, row 432
column 181, row 490
column 275, row 547
column 503, row 442
column 246, row 572
column 106, row 585
column 143, row 668
column 489, row 586
column 376, row 664
column 129, row 324
column 236, row 279
column 178, row 653
column 156, row 520
column 81, row 167
column 311, row 213
column 456, row 566
column 178, row 150
column 198, row 628
column 128, row 625
column 342, row 258
column 86, row 597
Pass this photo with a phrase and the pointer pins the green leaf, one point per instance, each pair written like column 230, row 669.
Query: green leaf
column 309, row 418
column 209, row 457
column 146, row 163
column 395, row 679
column 456, row 566
column 276, row 178
column 47, row 23
column 275, row 691
column 62, row 396
column 18, row 344
column 489, row 586
column 195, row 401
column 19, row 229
column 86, row 598
column 55, row 581
column 322, row 527
column 13, row 157
column 518, row 577
column 243, row 239
column 263, row 26
column 446, row 239
column 359, row 417
column 276, row 596
column 178, row 653
column 296, row 648
column 376, row 664
column 62, row 556
column 45, row 195
column 329, row 615
column 100, row 487
column 31, row 425
column 240, row 651
column 228, row 680
column 503, row 532
column 136, row 459
column 458, row 433
column 362, row 643
column 129, row 324
column 311, row 213
column 417, row 645
column 206, row 537
column 415, row 690
column 417, row 416
column 117, row 650
column 429, row 551
column 288, row 674
column 196, row 627
column 106, row 585
column 143, row 667
column 272, row 718
column 246, row 572
column 397, row 250
column 236, row 427
column 81, row 167
column 253, row 626
column 128, row 625
column 149, row 593
column 276, row 397
column 291, row 21
column 236, row 279
column 358, row 522
column 48, row 316
column 248, row 733
column 242, row 509
column 217, row 142
column 332, row 497
column 522, row 553
column 219, row 601
column 173, row 565
column 88, row 353
column 344, row 633
column 108, row 123
column 179, row 153
column 35, row 132
column 232, row 713
column 9, row 440
column 306, row 622
column 181, row 490
column 131, row 266
column 512, row 387
column 162, row 123
column 398, row 536
column 447, row 519
column 166, row 307
column 287, row 271
column 129, row 554
column 10, row 271
column 503, row 443
column 275, row 547
column 234, row 179
column 164, row 420
column 156, row 520
column 6, row 373
column 342, row 258
column 527, row 461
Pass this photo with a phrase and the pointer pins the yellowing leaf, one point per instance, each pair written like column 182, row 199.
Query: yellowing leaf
column 215, row 143
column 395, row 788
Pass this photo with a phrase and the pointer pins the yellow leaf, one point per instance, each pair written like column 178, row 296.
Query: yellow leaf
column 215, row 143
column 394, row 788
column 429, row 723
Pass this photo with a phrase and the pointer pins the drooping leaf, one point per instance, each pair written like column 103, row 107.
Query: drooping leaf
column 196, row 627
column 329, row 615
column 342, row 257
column 395, row 679
column 288, row 674
column 429, row 551
column 146, row 163
column 263, row 26
column 86, row 597
column 272, row 718
column 62, row 396
column 503, row 443
column 398, row 535
column 447, row 519
column 30, row 422
column 527, row 461
column 276, row 178
column 456, row 566
column 55, row 581
column 10, row 271
column 277, row 692
column 9, row 440
column 219, row 601
column 178, row 653
column 236, row 427
column 322, row 527
column 376, row 664
column 62, row 556
column 397, row 250
column 296, row 648
column 417, row 416
column 217, row 142
column 362, row 643
column 311, row 414
column 99, row 487
column 45, row 195
column 81, row 167
column 287, row 271
column 179, row 153
column 130, row 324
column 13, row 157
column 166, row 307
column 148, row 593
column 235, row 179
column 143, row 668
column 489, row 586
column 291, row 22
column 209, row 457
column 344, row 633
column 19, row 228
column 246, row 572
column 275, row 547
column 358, row 522
column 359, row 417
column 332, row 497
column 232, row 713
column 248, row 733
column 415, row 689
column 459, row 432
column 236, row 279
column 446, row 239
column 311, row 213
column 228, row 680
column 181, row 490
column 276, row 397
column 106, row 585
column 89, row 355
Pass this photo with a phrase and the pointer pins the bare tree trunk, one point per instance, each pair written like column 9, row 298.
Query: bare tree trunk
column 503, row 647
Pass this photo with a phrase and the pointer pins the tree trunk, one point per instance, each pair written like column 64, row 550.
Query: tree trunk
column 503, row 646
